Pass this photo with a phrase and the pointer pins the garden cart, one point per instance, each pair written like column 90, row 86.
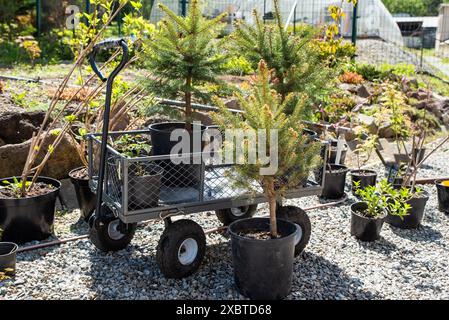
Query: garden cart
column 152, row 187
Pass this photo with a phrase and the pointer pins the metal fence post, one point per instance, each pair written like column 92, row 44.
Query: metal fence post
column 183, row 8
column 38, row 17
column 354, row 23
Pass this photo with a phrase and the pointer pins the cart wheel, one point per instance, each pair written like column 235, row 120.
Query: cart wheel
column 228, row 216
column 181, row 249
column 109, row 233
column 302, row 221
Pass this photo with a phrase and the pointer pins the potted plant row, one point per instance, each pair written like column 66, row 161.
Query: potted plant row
column 377, row 203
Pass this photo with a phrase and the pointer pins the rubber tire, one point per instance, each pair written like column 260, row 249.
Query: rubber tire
column 168, row 247
column 99, row 236
column 227, row 217
column 299, row 217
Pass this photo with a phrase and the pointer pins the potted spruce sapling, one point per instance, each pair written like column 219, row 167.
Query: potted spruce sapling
column 144, row 178
column 263, row 248
column 183, row 56
column 377, row 201
column 362, row 178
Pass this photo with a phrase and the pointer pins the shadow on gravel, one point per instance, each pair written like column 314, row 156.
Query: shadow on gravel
column 318, row 278
column 382, row 246
column 422, row 234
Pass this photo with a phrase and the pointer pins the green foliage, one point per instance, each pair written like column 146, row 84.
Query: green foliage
column 414, row 7
column 15, row 187
column 368, row 71
column 133, row 146
column 394, row 101
column 238, row 66
column 383, row 198
column 400, row 69
column 264, row 109
column 366, row 144
column 296, row 62
column 184, row 55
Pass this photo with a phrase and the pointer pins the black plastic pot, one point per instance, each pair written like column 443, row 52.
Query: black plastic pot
column 415, row 216
column 364, row 228
column 263, row 269
column 8, row 252
column 29, row 219
column 335, row 180
column 86, row 198
column 175, row 175
column 144, row 189
column 365, row 177
column 443, row 197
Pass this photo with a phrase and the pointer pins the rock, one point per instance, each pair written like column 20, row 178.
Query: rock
column 17, row 125
column 232, row 103
column 64, row 159
column 204, row 118
column 363, row 92
column 2, row 143
column 352, row 88
column 368, row 122
column 385, row 130
column 420, row 94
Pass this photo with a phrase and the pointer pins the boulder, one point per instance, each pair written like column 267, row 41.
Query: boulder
column 368, row 122
column 63, row 160
column 352, row 88
column 232, row 103
column 363, row 92
column 420, row 94
column 17, row 125
column 385, row 130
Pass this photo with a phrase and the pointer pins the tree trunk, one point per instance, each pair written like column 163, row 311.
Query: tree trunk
column 188, row 97
column 271, row 195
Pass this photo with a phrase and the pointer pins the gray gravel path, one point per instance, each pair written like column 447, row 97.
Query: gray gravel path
column 402, row 265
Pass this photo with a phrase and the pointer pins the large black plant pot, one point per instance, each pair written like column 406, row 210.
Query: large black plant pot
column 84, row 195
column 365, row 177
column 263, row 269
column 364, row 228
column 175, row 175
column 8, row 251
column 335, row 180
column 443, row 197
column 415, row 214
column 29, row 219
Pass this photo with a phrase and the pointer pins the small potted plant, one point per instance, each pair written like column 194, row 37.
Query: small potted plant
column 263, row 248
column 443, row 195
column 8, row 251
column 144, row 178
column 27, row 208
column 368, row 216
column 362, row 178
column 335, row 181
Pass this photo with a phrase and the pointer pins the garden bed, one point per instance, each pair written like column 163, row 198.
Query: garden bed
column 404, row 264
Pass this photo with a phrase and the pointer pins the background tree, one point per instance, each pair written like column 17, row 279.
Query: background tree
column 414, row 7
column 185, row 55
column 296, row 63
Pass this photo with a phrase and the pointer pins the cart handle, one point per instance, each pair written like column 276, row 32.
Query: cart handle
column 105, row 45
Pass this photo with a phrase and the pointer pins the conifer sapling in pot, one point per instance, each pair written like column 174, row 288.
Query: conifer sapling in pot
column 263, row 249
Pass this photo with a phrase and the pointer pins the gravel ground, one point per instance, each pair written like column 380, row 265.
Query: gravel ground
column 402, row 265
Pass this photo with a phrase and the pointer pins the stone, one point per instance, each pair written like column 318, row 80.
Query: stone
column 352, row 88
column 2, row 143
column 232, row 103
column 363, row 92
column 63, row 160
column 368, row 122
column 204, row 118
column 17, row 125
column 385, row 130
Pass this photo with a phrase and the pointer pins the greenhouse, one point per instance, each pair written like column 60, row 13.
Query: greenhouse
column 167, row 152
